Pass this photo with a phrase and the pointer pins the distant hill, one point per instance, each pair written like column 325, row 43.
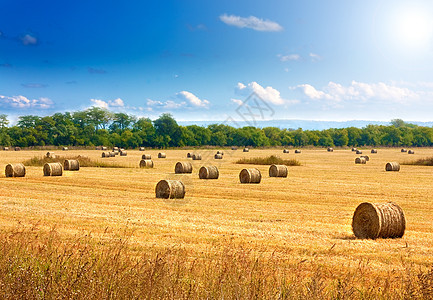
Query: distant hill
column 304, row 124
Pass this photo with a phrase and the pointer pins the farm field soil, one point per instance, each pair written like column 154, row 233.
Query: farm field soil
column 306, row 216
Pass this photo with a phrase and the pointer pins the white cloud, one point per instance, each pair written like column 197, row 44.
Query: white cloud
column 116, row 103
column 193, row 99
column 251, row 22
column 315, row 57
column 289, row 57
column 99, row 103
column 29, row 40
column 268, row 94
column 23, row 102
column 237, row 101
column 360, row 91
column 169, row 104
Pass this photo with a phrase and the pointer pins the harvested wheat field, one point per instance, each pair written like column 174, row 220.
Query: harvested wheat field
column 282, row 238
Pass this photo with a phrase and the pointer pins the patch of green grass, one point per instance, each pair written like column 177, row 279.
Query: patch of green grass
column 269, row 160
column 428, row 161
column 85, row 161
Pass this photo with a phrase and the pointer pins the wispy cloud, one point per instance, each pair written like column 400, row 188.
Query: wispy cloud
column 199, row 27
column 289, row 57
column 23, row 102
column 193, row 99
column 29, row 39
column 250, row 22
column 360, row 91
column 96, row 71
column 315, row 57
column 268, row 94
column 34, row 85
column 169, row 104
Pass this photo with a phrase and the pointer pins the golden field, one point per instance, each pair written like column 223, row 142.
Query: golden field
column 290, row 228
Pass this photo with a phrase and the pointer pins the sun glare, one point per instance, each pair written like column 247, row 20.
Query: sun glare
column 414, row 28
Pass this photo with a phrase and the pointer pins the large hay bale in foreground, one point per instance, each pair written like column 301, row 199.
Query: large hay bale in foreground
column 146, row 163
column 15, row 170
column 278, row 171
column 218, row 156
column 384, row 220
column 106, row 154
column 392, row 166
column 170, row 189
column 183, row 167
column 373, row 150
column 250, row 176
column 286, row 151
column 71, row 165
column 246, row 150
column 141, row 149
column 162, row 155
column 208, row 172
column 403, row 150
column 367, row 158
column 146, row 156
column 53, row 169
column 358, row 152
column 330, row 149
column 123, row 153
column 360, row 160
column 50, row 155
column 196, row 156
column 297, row 151
column 410, row 152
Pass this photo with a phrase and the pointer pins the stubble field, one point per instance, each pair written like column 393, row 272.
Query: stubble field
column 285, row 237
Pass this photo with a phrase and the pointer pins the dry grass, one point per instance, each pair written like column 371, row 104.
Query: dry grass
column 284, row 238
column 84, row 161
column 427, row 161
column 269, row 160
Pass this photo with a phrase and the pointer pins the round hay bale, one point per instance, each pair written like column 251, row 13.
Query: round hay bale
column 6, row 148
column 208, row 172
column 183, row 167
column 71, row 165
column 354, row 149
column 373, row 150
column 115, row 148
column 65, row 149
column 170, row 189
column 196, row 156
column 15, row 170
column 234, row 148
column 146, row 163
column 358, row 152
column 189, row 155
column 286, row 151
column 384, row 220
column 297, row 151
column 220, row 152
column 162, row 155
column 278, row 171
column 146, row 156
column 392, row 166
column 141, row 149
column 403, row 150
column 106, row 154
column 53, row 169
column 50, row 155
column 17, row 148
column 123, row 153
column 367, row 158
column 250, row 176
column 410, row 152
column 246, row 150
column 103, row 148
column 360, row 160
column 113, row 154
column 330, row 149
column 218, row 156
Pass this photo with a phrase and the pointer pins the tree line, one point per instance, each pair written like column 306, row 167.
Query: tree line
column 97, row 126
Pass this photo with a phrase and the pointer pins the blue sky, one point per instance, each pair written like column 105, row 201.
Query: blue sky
column 200, row 60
